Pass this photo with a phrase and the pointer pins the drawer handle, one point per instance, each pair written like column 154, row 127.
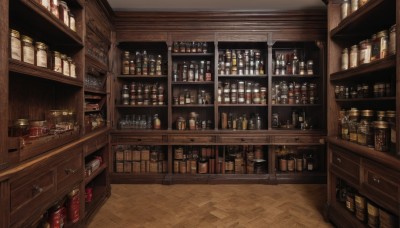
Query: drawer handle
column 191, row 140
column 37, row 190
column 339, row 160
column 376, row 179
column 70, row 171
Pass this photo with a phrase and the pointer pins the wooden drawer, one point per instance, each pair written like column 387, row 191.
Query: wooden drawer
column 192, row 139
column 30, row 191
column 138, row 139
column 70, row 170
column 346, row 165
column 381, row 185
column 244, row 139
column 290, row 139
column 97, row 143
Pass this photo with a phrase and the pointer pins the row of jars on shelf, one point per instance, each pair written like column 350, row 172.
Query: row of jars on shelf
column 234, row 121
column 141, row 63
column 193, row 71
column 140, row 122
column 379, row 89
column 241, row 62
column 364, row 209
column 291, row 159
column 294, row 93
column 245, row 160
column 143, row 167
column 139, row 153
column 363, row 128
column 56, row 122
column 241, row 92
column 193, row 122
column 189, row 47
column 187, row 97
column 298, row 121
column 290, row 64
column 22, row 49
column 60, row 10
column 378, row 47
column 142, row 94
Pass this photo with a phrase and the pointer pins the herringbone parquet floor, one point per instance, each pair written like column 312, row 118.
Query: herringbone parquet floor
column 184, row 206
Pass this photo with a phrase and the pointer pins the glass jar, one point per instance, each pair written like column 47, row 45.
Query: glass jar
column 156, row 122
column 382, row 136
column 364, row 50
column 364, row 134
column 392, row 40
column 63, row 12
column 72, row 68
column 180, row 123
column 353, row 60
column 125, row 95
column 28, row 51
column 54, row 7
column 56, row 62
column 302, row 67
column 354, row 116
column 344, row 9
column 345, row 59
column 256, row 94
column 45, row 4
column 353, row 6
column 362, row 2
column 310, row 67
column 379, row 45
column 15, row 45
column 390, row 117
column 72, row 24
column 41, row 55
column 65, row 65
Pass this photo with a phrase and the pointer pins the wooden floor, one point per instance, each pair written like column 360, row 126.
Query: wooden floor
column 213, row 206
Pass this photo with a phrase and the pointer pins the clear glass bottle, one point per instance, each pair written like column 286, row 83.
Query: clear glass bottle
column 345, row 9
column 56, row 62
column 72, row 24
column 125, row 63
column 353, row 59
column 15, row 45
column 28, row 51
column 364, row 136
column 65, row 64
column 41, row 55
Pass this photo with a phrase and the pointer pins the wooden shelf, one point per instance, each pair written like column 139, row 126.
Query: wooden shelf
column 242, row 76
column 141, row 106
column 376, row 99
column 302, row 177
column 143, row 76
column 173, row 54
column 363, row 21
column 296, row 76
column 89, row 90
column 242, row 105
column 95, row 173
column 142, row 178
column 46, row 20
column 40, row 72
column 378, row 65
column 193, row 83
column 89, row 111
column 384, row 158
column 296, row 105
column 96, row 63
column 194, row 106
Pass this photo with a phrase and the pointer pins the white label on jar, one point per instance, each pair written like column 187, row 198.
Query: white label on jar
column 354, row 5
column 15, row 48
column 57, row 64
column 29, row 55
column 345, row 62
column 46, row 4
column 72, row 24
column 73, row 71
column 41, row 58
column 65, row 68
column 66, row 17
column 393, row 135
column 353, row 59
column 384, row 46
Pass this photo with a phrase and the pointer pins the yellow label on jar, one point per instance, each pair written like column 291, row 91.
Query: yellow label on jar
column 29, row 54
column 41, row 58
column 15, row 48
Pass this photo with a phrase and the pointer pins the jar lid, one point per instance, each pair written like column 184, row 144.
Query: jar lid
column 367, row 112
column 26, row 39
column 57, row 53
column 63, row 56
column 354, row 112
column 14, row 33
column 382, row 33
column 73, row 192
column 41, row 45
column 390, row 113
column 380, row 113
column 381, row 124
column 354, row 46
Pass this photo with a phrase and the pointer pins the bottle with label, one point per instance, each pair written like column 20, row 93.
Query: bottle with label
column 125, row 63
column 156, row 122
column 310, row 162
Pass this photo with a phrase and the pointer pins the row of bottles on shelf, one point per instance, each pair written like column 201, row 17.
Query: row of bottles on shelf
column 289, row 64
column 189, row 47
column 141, row 63
column 378, row 133
column 241, row 62
column 193, row 71
column 142, row 94
column 140, row 159
column 379, row 89
column 22, row 49
column 245, row 160
column 364, row 209
column 298, row 121
column 294, row 93
column 378, row 47
column 65, row 211
column 187, row 97
column 140, row 122
column 296, row 159
column 234, row 121
column 94, row 121
column 194, row 159
column 241, row 92
column 193, row 122
column 60, row 10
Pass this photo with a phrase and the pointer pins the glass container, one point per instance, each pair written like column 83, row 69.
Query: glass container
column 63, row 12
column 382, row 136
column 72, row 24
column 54, row 7
column 392, row 40
column 390, row 117
column 65, row 65
column 28, row 51
column 41, row 55
column 56, row 62
column 15, row 45
column 344, row 9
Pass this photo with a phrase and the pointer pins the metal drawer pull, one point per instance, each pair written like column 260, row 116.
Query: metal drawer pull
column 376, row 179
column 191, row 140
column 70, row 171
column 37, row 189
column 339, row 160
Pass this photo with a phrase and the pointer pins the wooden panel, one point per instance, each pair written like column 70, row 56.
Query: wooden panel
column 70, row 171
column 4, row 203
column 25, row 195
column 192, row 36
column 95, row 144
column 137, row 139
column 244, row 37
column 3, row 83
column 290, row 139
column 346, row 165
column 191, row 139
column 244, row 139
column 132, row 36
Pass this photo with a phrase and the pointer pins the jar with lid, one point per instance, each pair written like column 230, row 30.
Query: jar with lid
column 344, row 9
column 65, row 64
column 72, row 67
column 382, row 136
column 392, row 40
column 354, row 116
column 256, row 94
column 63, row 12
column 41, row 55
column 364, row 50
column 390, row 117
column 362, row 2
column 302, row 68
column 192, row 121
column 345, row 59
column 45, row 4
column 28, row 51
column 56, row 62
column 15, row 45
column 72, row 25
column 353, row 6
column 310, row 67
column 125, row 95
column 125, row 63
column 353, row 59
column 248, row 91
column 156, row 122
column 364, row 131
column 379, row 45
column 54, row 7
column 380, row 115
column 180, row 123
